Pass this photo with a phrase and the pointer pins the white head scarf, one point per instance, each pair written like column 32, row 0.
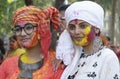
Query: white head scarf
column 88, row 11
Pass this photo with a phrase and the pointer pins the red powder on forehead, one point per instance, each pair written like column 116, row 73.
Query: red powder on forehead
column 76, row 21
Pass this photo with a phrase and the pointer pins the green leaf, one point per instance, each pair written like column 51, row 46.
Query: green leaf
column 10, row 1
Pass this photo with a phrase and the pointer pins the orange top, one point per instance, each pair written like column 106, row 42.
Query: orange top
column 9, row 69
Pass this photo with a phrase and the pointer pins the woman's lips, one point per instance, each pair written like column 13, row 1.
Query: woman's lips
column 78, row 38
column 24, row 40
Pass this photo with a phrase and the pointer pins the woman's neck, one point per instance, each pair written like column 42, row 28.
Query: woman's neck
column 34, row 51
column 33, row 55
column 88, row 49
column 93, row 47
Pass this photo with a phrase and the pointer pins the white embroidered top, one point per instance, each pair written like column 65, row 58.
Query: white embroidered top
column 100, row 65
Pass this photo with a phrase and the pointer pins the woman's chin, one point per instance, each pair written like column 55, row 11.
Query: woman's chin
column 26, row 46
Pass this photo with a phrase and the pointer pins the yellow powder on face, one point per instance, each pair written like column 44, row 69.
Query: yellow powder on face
column 87, row 30
column 84, row 41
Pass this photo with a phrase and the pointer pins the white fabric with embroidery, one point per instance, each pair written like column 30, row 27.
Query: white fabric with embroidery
column 101, row 65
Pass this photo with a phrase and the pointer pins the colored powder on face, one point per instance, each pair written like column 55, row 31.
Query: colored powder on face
column 76, row 21
column 21, row 23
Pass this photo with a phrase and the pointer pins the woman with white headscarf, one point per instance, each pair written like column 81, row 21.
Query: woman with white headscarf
column 95, row 61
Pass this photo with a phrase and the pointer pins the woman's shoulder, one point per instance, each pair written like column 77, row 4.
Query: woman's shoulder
column 10, row 61
column 12, row 58
column 108, row 53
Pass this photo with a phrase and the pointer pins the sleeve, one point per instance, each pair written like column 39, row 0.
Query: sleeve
column 8, row 66
column 111, row 67
column 3, row 68
column 58, row 73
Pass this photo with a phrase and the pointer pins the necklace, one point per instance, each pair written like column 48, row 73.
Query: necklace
column 28, row 69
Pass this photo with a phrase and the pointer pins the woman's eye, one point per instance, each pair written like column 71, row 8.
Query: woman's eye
column 83, row 25
column 71, row 26
column 28, row 27
column 17, row 29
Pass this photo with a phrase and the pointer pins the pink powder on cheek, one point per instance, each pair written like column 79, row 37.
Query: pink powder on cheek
column 91, row 35
column 71, row 34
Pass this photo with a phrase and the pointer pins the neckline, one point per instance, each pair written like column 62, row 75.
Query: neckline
column 27, row 69
column 84, row 55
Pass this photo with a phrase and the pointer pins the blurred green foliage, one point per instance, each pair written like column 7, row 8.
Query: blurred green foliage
column 6, row 11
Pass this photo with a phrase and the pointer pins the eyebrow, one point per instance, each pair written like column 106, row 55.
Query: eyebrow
column 17, row 25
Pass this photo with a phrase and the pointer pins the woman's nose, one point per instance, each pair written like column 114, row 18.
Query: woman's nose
column 77, row 30
column 23, row 32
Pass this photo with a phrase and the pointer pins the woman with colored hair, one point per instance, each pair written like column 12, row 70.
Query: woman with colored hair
column 93, row 60
column 32, row 28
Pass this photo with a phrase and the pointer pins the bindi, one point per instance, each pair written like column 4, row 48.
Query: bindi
column 76, row 21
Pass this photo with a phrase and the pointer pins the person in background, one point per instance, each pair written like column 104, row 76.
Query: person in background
column 105, row 39
column 2, row 51
column 118, row 53
column 116, row 49
column 14, row 48
column 62, row 9
column 108, row 44
column 32, row 29
column 60, row 53
column 95, row 60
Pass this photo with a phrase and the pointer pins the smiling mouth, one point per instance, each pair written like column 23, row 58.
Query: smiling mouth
column 78, row 38
column 24, row 40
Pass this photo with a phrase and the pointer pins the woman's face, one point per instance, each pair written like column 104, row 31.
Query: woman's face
column 62, row 18
column 26, row 34
column 13, row 44
column 80, row 32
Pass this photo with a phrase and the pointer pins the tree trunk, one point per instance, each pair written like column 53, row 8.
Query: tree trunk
column 118, row 23
column 58, row 3
column 112, row 27
column 28, row 2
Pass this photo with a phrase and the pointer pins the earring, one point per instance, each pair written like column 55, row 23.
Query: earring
column 38, row 36
column 97, row 44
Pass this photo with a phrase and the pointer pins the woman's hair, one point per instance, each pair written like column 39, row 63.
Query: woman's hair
column 63, row 7
column 2, row 49
column 13, row 37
